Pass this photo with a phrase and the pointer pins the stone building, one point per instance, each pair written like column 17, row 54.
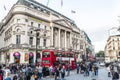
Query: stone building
column 112, row 49
column 30, row 27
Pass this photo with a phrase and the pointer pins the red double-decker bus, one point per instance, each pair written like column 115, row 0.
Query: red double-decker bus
column 55, row 57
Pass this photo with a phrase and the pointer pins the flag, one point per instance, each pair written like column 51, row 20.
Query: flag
column 4, row 7
column 48, row 2
column 73, row 11
column 61, row 3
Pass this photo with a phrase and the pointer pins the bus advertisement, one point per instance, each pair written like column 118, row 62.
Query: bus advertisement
column 55, row 57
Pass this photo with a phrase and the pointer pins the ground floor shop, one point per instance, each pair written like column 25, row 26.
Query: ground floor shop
column 19, row 56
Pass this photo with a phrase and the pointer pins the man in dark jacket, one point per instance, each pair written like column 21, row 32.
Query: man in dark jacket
column 115, row 75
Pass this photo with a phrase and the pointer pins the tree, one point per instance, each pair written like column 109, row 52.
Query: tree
column 100, row 54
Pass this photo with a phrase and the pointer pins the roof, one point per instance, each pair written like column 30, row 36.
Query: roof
column 36, row 5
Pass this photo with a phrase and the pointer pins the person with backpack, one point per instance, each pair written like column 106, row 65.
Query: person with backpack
column 115, row 75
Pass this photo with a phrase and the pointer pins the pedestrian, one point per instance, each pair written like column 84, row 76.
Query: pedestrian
column 96, row 70
column 7, row 74
column 1, row 73
column 36, row 74
column 108, row 69
column 15, row 77
column 115, row 75
column 39, row 72
column 28, row 73
column 78, row 68
column 62, row 72
column 44, row 71
column 57, row 75
column 68, row 69
column 92, row 71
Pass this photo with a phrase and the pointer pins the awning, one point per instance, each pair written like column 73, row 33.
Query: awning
column 16, row 54
column 31, row 54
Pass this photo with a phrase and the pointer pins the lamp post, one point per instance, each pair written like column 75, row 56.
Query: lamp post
column 38, row 29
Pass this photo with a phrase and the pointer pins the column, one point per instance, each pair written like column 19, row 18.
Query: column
column 65, row 41
column 59, row 38
column 51, row 41
column 70, row 40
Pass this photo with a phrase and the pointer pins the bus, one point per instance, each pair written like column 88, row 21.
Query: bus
column 56, row 57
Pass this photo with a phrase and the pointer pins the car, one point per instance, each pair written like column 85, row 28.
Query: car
column 102, row 64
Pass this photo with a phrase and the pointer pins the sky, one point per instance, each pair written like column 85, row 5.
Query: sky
column 95, row 17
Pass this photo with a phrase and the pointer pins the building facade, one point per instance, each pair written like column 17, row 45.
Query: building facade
column 86, row 47
column 30, row 25
column 112, row 49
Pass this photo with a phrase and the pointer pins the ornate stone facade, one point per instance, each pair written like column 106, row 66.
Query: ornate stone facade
column 29, row 21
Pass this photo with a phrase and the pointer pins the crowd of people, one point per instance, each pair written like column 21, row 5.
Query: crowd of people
column 27, row 71
column 112, row 72
column 20, row 72
column 90, row 69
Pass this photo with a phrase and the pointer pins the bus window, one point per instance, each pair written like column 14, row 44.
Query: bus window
column 46, row 54
column 71, row 55
column 46, row 61
column 55, row 54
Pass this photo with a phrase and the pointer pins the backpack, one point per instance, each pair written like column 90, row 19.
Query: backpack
column 117, row 75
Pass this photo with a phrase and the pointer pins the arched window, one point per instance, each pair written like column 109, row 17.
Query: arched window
column 18, row 30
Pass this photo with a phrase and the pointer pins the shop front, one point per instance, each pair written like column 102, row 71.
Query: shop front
column 16, row 57
column 31, row 58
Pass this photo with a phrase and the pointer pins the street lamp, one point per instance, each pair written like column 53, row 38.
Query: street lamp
column 38, row 29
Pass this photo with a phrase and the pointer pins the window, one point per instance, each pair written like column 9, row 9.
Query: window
column 38, row 34
column 18, row 20
column 38, row 25
column 17, row 39
column 44, row 34
column 44, row 42
column 81, row 46
column 31, row 32
column 45, row 27
column 31, row 23
column 31, row 40
column 46, row 54
column 38, row 41
column 26, row 20
column 119, row 54
column 55, row 54
column 18, row 30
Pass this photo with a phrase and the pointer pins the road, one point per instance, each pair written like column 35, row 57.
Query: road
column 102, row 75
